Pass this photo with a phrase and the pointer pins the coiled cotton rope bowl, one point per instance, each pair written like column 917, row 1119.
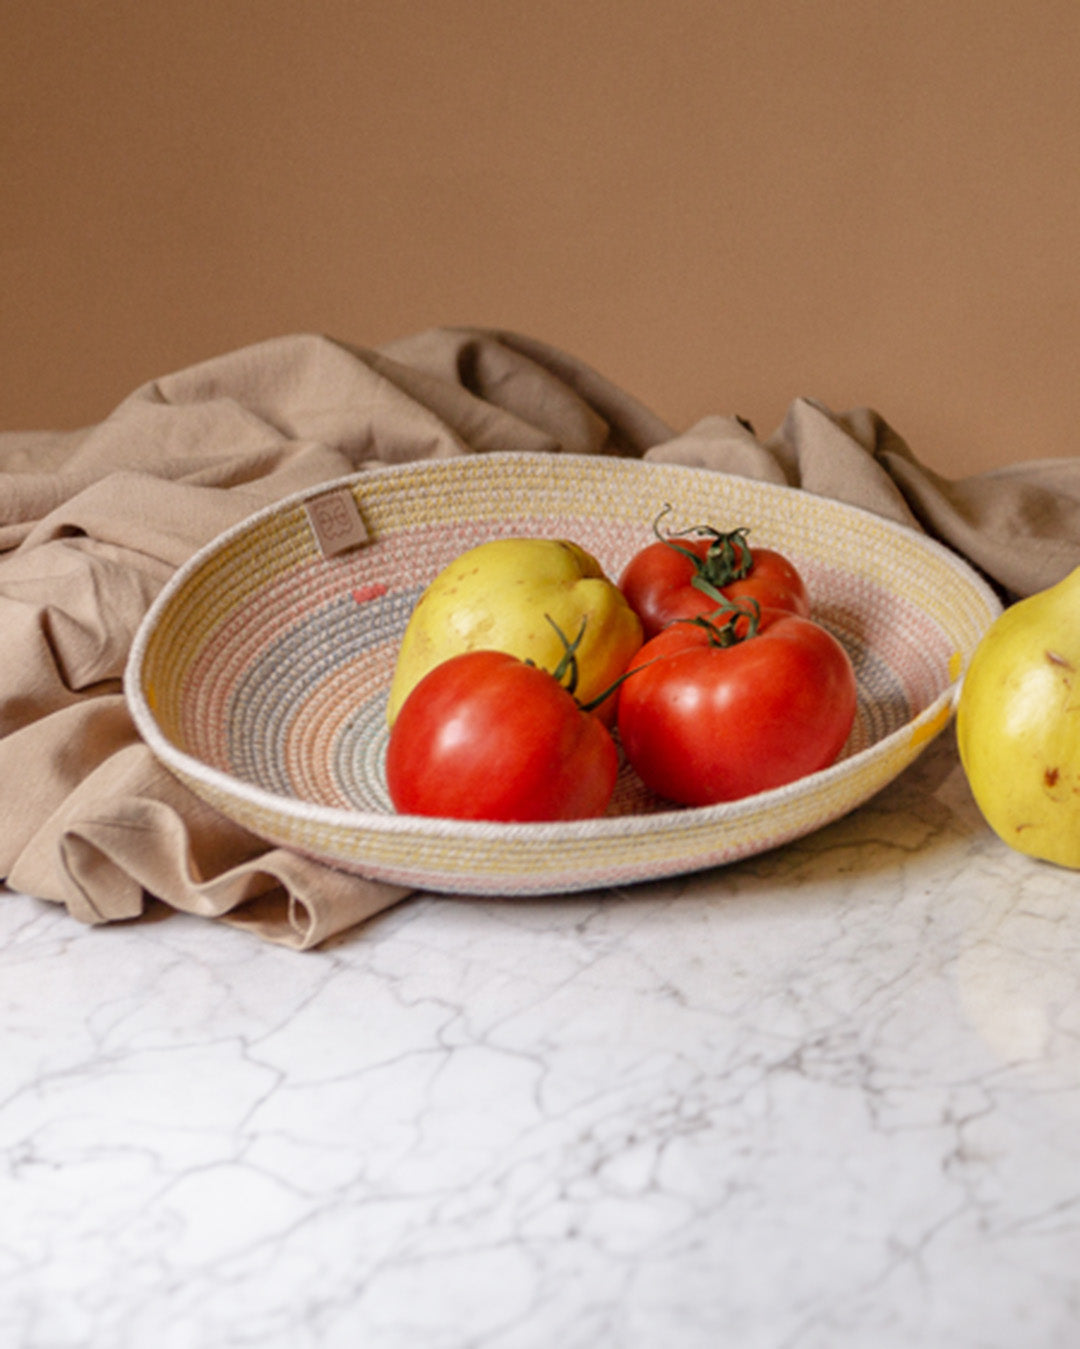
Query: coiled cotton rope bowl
column 259, row 676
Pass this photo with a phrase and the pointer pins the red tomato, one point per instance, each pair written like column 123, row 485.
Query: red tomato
column 679, row 578
column 703, row 723
column 486, row 736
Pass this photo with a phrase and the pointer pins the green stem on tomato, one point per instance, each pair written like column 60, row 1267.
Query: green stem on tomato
column 722, row 625
column 723, row 633
column 728, row 557
column 567, row 667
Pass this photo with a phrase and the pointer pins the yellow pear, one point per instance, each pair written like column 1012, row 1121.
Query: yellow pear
column 1018, row 724
column 518, row 595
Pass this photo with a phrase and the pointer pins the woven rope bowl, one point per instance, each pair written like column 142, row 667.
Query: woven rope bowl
column 260, row 675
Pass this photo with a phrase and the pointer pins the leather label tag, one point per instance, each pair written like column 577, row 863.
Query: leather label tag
column 336, row 522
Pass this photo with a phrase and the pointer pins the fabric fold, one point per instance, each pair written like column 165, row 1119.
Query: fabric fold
column 93, row 522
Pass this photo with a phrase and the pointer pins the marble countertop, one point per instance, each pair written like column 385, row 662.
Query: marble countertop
column 826, row 1097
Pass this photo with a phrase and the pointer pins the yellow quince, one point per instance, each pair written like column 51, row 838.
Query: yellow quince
column 527, row 597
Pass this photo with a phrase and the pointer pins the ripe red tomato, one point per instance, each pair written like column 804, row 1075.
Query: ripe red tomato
column 680, row 577
column 703, row 723
column 486, row 736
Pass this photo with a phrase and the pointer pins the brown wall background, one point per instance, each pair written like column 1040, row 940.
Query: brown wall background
column 721, row 204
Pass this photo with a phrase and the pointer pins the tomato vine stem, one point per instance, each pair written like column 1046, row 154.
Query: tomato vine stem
column 567, row 668
column 728, row 557
column 722, row 625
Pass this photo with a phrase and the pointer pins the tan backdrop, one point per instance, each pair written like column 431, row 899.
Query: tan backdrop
column 721, row 204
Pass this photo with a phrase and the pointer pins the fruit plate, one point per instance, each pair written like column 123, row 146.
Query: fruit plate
column 259, row 676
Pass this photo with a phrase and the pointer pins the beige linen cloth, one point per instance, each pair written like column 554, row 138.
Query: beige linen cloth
column 93, row 522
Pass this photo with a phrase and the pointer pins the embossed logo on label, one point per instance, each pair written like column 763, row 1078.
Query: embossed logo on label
column 336, row 523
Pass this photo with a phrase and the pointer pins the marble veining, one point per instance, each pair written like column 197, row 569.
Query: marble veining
column 826, row 1097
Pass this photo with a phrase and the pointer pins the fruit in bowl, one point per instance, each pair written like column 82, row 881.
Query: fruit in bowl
column 525, row 597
